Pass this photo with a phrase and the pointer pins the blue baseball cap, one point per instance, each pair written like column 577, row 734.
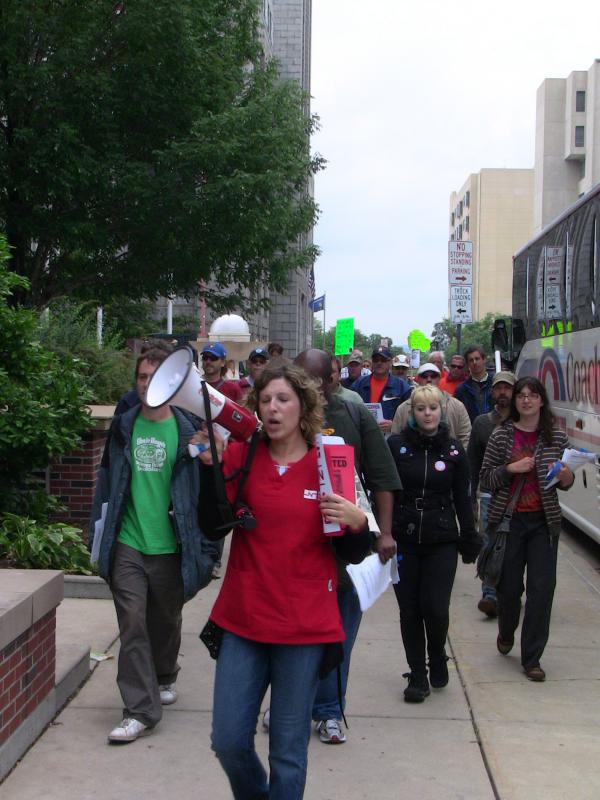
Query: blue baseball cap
column 215, row 349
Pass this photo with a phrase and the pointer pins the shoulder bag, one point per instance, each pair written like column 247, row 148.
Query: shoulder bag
column 491, row 558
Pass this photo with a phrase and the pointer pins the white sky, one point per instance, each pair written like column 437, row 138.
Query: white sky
column 414, row 97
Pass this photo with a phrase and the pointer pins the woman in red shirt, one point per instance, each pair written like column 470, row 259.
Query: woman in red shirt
column 278, row 604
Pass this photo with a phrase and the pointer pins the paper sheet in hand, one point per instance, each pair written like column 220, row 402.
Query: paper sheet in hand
column 572, row 458
column 376, row 410
column 371, row 578
column 98, row 534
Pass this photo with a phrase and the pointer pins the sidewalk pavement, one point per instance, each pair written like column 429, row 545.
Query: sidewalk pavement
column 489, row 734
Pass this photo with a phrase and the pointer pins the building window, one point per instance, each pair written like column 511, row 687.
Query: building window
column 459, row 235
column 579, row 101
column 579, row 136
column 452, row 219
column 466, row 223
column 460, row 208
column 468, row 199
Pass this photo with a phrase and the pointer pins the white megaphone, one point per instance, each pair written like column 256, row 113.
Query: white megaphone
column 178, row 382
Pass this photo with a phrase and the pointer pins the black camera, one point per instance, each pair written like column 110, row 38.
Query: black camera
column 244, row 518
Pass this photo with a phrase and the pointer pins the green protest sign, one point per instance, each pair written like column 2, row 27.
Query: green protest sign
column 344, row 336
column 418, row 341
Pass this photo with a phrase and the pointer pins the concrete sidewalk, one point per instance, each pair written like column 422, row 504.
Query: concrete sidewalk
column 490, row 733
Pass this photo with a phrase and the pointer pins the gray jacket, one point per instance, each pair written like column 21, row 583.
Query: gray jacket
column 114, row 479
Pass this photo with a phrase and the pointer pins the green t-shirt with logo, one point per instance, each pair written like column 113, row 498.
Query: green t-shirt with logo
column 146, row 525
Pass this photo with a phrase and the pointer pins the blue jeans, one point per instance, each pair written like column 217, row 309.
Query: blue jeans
column 327, row 705
column 244, row 671
column 484, row 504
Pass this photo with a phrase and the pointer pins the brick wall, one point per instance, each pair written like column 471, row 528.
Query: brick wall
column 27, row 667
column 73, row 477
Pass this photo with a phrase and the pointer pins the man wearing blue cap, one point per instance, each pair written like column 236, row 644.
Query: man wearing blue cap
column 382, row 387
column 257, row 361
column 214, row 357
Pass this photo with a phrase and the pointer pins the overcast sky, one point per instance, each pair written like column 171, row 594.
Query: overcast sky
column 414, row 97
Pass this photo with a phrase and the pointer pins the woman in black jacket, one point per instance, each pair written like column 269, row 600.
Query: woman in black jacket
column 434, row 472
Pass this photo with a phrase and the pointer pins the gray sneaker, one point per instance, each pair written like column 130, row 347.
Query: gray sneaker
column 330, row 731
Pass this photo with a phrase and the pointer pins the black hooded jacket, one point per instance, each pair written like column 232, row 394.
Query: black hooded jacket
column 434, row 471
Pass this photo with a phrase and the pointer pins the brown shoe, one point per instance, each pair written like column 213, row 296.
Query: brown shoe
column 488, row 606
column 536, row 673
column 504, row 647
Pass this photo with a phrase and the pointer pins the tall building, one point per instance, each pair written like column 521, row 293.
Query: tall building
column 567, row 142
column 285, row 34
column 290, row 318
column 494, row 210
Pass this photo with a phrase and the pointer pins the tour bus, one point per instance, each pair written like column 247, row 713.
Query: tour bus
column 554, row 334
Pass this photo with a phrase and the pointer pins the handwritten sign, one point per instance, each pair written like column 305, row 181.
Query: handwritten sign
column 344, row 336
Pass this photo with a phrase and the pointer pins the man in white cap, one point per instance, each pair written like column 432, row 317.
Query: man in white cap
column 453, row 410
column 400, row 365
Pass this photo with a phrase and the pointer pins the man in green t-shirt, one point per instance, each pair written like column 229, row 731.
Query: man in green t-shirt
column 151, row 551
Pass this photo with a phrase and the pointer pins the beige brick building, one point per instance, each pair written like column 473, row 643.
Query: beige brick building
column 494, row 210
column 567, row 142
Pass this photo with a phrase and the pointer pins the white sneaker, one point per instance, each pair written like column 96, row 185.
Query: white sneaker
column 128, row 731
column 330, row 731
column 266, row 720
column 168, row 694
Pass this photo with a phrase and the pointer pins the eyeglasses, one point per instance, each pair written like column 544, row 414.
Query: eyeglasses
column 379, row 359
column 531, row 396
column 258, row 360
column 456, row 366
column 208, row 357
column 431, row 375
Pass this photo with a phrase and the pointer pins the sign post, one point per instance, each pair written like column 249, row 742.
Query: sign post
column 460, row 280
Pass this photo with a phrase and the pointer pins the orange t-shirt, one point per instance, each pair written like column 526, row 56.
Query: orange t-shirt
column 377, row 385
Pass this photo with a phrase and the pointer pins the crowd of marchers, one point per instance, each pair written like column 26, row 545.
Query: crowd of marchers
column 445, row 456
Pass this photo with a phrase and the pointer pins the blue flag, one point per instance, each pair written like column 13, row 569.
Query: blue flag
column 318, row 304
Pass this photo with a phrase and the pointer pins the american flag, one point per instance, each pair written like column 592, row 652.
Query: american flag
column 311, row 283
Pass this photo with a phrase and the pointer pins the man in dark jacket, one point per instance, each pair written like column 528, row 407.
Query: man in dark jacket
column 502, row 389
column 373, row 460
column 145, row 538
column 382, row 387
column 476, row 391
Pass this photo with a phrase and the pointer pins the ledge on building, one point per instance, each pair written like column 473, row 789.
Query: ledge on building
column 34, row 688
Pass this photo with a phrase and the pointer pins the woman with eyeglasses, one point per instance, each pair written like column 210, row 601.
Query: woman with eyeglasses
column 518, row 456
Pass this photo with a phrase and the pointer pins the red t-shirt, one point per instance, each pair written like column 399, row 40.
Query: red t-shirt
column 280, row 584
column 230, row 389
column 524, row 443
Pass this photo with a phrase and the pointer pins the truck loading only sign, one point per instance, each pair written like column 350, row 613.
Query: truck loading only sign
column 460, row 279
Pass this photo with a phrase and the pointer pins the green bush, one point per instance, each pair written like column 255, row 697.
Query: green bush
column 69, row 331
column 43, row 399
column 26, row 543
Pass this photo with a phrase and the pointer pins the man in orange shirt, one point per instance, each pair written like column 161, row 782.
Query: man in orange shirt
column 382, row 387
column 455, row 376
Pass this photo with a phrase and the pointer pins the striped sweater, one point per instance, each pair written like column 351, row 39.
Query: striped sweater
column 495, row 477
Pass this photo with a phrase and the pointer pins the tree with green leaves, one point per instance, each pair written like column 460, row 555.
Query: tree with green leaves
column 475, row 333
column 366, row 343
column 147, row 146
column 42, row 398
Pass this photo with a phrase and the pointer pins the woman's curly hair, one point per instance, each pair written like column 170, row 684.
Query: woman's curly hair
column 306, row 389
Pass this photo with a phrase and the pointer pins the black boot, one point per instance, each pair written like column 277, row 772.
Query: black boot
column 417, row 689
column 438, row 671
